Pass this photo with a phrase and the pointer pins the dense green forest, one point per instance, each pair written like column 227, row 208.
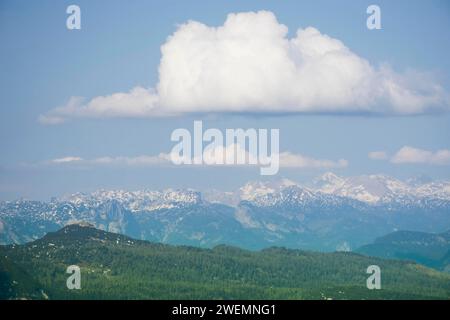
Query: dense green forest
column 114, row 266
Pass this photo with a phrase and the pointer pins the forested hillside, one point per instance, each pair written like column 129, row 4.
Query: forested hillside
column 114, row 266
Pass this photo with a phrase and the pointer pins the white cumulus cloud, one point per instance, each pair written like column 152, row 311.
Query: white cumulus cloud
column 250, row 65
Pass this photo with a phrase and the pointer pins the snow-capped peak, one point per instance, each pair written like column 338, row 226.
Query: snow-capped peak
column 370, row 189
column 136, row 200
column 365, row 188
column 257, row 189
column 378, row 188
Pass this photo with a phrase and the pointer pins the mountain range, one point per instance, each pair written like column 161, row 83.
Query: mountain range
column 330, row 213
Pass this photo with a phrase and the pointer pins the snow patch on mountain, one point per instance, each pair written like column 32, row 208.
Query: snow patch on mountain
column 135, row 201
column 374, row 189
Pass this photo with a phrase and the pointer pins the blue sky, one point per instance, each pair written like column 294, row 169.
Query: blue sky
column 118, row 48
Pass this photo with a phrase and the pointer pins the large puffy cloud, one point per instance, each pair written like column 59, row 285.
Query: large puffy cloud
column 250, row 65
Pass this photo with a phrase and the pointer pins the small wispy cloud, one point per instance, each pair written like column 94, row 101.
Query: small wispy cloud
column 411, row 155
column 49, row 119
column 290, row 160
column 377, row 155
column 66, row 160
column 143, row 160
column 211, row 157
column 414, row 155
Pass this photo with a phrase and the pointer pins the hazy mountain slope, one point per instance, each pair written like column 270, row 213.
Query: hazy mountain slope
column 431, row 250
